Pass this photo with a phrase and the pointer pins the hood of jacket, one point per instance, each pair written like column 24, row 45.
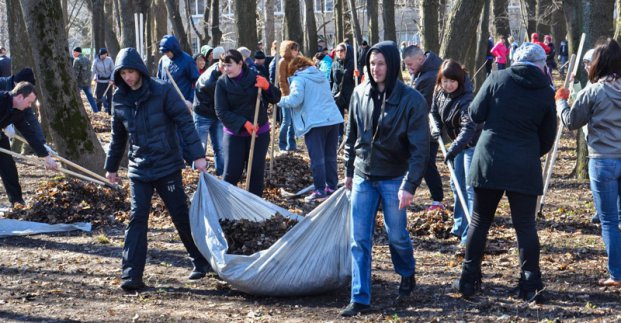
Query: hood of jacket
column 285, row 49
column 129, row 58
column 170, row 43
column 393, row 61
column 312, row 74
column 613, row 92
column 432, row 63
column 528, row 76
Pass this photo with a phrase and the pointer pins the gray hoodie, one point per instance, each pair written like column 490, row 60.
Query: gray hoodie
column 599, row 107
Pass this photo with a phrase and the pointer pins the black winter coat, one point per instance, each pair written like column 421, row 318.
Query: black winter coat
column 25, row 121
column 450, row 114
column 425, row 80
column 517, row 106
column 205, row 92
column 149, row 119
column 400, row 145
column 235, row 101
column 342, row 79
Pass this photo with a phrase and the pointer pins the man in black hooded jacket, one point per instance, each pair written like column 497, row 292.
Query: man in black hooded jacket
column 148, row 113
column 386, row 152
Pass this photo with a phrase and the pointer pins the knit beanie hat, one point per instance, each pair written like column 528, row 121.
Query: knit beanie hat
column 530, row 53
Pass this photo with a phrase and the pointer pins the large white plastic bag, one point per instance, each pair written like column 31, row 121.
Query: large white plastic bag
column 313, row 257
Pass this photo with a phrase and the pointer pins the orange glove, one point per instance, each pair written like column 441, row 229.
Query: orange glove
column 356, row 73
column 562, row 94
column 250, row 128
column 262, row 83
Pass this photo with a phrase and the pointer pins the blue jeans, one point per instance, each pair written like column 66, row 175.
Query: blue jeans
column 89, row 96
column 462, row 164
column 286, row 138
column 211, row 127
column 365, row 198
column 562, row 61
column 605, row 177
column 322, row 143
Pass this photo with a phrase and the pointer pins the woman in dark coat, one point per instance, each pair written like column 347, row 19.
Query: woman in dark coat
column 517, row 107
column 451, row 99
column 236, row 95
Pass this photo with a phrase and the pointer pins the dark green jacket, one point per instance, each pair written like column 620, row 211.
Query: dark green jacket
column 517, row 107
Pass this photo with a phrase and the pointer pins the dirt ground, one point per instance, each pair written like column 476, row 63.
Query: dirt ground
column 75, row 276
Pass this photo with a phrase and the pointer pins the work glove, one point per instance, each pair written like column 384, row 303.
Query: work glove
column 356, row 73
column 262, row 83
column 9, row 131
column 450, row 156
column 250, row 128
column 561, row 94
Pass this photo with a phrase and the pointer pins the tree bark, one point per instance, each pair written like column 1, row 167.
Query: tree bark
column 388, row 14
column 112, row 42
column 246, row 24
column 206, row 13
column 126, row 11
column 559, row 28
column 293, row 22
column 339, row 23
column 159, row 28
column 531, row 9
column 269, row 28
column 70, row 129
column 310, row 36
column 481, row 51
column 353, row 13
column 544, row 17
column 372, row 13
column 172, row 6
column 216, row 32
column 429, row 11
column 501, row 18
column 618, row 21
column 98, row 23
column 462, row 23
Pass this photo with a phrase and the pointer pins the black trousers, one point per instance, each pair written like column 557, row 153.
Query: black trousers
column 432, row 175
column 8, row 173
column 171, row 191
column 103, row 97
column 236, row 150
column 523, row 218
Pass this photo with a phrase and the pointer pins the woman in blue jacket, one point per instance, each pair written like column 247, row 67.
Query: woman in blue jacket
column 317, row 118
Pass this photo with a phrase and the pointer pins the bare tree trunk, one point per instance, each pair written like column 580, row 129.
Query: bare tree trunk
column 429, row 11
column 531, row 9
column 354, row 21
column 216, row 32
column 388, row 14
column 501, row 18
column 372, row 13
column 70, row 129
column 559, row 28
column 544, row 17
column 98, row 23
column 310, row 36
column 112, row 42
column 206, row 12
column 481, row 51
column 462, row 22
column 246, row 24
column 126, row 11
column 293, row 21
column 618, row 21
column 269, row 23
column 159, row 27
column 172, row 6
column 339, row 25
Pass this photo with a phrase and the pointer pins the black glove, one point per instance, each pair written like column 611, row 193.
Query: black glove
column 450, row 156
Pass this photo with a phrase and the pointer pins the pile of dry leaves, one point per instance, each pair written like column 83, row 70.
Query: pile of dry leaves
column 247, row 237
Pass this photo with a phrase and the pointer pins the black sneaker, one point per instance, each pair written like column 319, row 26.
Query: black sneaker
column 130, row 285
column 354, row 309
column 407, row 286
column 198, row 273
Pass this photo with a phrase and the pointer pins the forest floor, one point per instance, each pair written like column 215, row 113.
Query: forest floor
column 75, row 276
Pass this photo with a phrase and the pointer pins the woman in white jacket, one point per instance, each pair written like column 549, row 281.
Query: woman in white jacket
column 317, row 118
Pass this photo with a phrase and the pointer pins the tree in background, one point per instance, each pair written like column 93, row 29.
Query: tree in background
column 64, row 114
column 460, row 29
column 372, row 13
column 293, row 23
column 388, row 9
column 310, row 36
column 429, row 12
